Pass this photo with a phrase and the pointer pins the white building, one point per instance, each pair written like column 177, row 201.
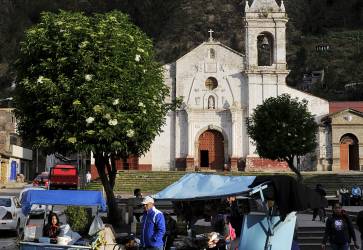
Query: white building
column 220, row 88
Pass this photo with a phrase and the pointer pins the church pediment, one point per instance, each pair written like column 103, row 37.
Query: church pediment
column 346, row 117
column 264, row 6
column 203, row 51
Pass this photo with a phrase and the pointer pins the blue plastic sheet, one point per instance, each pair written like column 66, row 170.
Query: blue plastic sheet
column 63, row 198
column 201, row 186
column 254, row 233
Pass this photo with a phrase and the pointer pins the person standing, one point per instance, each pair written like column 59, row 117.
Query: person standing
column 153, row 226
column 356, row 195
column 88, row 177
column 235, row 219
column 360, row 226
column 321, row 210
column 339, row 230
column 137, row 195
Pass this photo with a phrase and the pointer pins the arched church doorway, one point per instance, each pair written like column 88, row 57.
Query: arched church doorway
column 211, row 150
column 349, row 152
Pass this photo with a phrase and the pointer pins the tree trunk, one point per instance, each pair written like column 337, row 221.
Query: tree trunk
column 101, row 163
column 112, row 174
column 290, row 162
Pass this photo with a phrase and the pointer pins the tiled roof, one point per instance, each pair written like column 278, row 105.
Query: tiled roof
column 339, row 106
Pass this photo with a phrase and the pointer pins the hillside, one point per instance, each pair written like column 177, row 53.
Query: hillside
column 180, row 25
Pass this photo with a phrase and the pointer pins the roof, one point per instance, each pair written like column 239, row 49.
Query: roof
column 340, row 106
column 62, row 197
column 203, row 186
column 327, row 118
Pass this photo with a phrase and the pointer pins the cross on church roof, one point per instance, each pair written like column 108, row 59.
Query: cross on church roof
column 210, row 35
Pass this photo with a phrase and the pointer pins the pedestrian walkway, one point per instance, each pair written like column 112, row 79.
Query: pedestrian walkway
column 11, row 185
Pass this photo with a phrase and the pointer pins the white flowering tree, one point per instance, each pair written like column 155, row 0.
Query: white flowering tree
column 90, row 83
column 283, row 129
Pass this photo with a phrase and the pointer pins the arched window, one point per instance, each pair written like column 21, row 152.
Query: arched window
column 211, row 83
column 211, row 102
column 265, row 49
column 212, row 53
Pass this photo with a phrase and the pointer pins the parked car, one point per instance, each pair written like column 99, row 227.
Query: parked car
column 42, row 180
column 63, row 177
column 11, row 215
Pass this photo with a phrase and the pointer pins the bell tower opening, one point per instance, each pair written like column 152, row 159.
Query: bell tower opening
column 265, row 49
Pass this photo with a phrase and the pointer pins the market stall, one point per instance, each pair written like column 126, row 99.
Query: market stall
column 280, row 197
column 34, row 238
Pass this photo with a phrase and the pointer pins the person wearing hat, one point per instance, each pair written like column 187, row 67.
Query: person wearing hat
column 153, row 226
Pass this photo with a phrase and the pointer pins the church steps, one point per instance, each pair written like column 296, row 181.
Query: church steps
column 153, row 181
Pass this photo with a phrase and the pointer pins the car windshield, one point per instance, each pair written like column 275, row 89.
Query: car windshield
column 5, row 202
column 42, row 176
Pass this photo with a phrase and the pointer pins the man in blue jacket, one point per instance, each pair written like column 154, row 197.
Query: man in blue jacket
column 153, row 226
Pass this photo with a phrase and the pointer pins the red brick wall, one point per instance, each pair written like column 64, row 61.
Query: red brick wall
column 254, row 164
column 133, row 162
column 144, row 167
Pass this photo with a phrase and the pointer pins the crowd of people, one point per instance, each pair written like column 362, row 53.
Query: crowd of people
column 160, row 230
column 350, row 197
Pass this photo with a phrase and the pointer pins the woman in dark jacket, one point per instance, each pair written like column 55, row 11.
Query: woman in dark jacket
column 52, row 229
column 339, row 230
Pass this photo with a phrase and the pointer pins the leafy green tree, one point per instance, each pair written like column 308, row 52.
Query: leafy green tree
column 283, row 129
column 90, row 83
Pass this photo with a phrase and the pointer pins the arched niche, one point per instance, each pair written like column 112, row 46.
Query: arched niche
column 265, row 47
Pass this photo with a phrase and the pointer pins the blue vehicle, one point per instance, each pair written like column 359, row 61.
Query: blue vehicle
column 54, row 198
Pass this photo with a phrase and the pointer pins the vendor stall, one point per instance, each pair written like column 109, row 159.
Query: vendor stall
column 280, row 196
column 33, row 238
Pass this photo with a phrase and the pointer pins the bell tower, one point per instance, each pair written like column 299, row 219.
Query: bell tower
column 265, row 59
column 265, row 39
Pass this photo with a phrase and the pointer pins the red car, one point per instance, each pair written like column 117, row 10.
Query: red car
column 42, row 180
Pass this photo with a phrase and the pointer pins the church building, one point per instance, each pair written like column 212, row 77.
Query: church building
column 220, row 88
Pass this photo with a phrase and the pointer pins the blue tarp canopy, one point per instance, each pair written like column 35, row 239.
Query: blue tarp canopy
column 63, row 198
column 200, row 186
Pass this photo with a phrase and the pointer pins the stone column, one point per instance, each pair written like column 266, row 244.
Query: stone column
column 190, row 158
column 236, row 131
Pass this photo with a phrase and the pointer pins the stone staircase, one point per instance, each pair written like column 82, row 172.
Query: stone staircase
column 154, row 181
column 310, row 233
column 332, row 181
column 150, row 182
column 310, row 238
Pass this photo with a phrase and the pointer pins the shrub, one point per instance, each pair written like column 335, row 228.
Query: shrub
column 79, row 218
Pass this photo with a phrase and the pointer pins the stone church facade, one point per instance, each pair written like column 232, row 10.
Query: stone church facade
column 220, row 88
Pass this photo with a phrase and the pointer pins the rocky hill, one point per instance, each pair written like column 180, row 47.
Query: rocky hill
column 178, row 26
